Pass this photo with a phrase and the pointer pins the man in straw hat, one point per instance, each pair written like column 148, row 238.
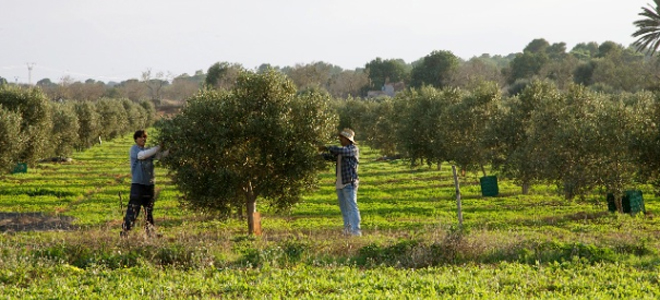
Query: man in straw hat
column 347, row 157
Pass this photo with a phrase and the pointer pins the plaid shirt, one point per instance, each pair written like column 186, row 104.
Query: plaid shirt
column 350, row 158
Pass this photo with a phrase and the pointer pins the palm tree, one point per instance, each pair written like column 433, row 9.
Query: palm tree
column 648, row 32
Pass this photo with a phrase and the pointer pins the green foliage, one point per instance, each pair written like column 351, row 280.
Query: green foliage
column 522, row 131
column 468, row 125
column 389, row 70
column 647, row 34
column 420, row 118
column 136, row 114
column 114, row 119
column 258, row 140
column 352, row 113
column 149, row 113
column 11, row 140
column 222, row 75
column 512, row 246
column 435, row 69
column 66, row 127
column 526, row 65
column 90, row 125
column 36, row 124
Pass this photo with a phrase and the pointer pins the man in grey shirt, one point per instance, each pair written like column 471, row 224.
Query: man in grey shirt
column 142, row 183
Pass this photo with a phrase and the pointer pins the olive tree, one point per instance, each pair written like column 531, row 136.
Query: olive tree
column 64, row 136
column 36, row 123
column 381, row 129
column 519, row 131
column 11, row 141
column 89, row 121
column 617, row 168
column 256, row 141
column 149, row 111
column 114, row 119
column 136, row 114
column 422, row 115
column 466, row 127
column 645, row 139
column 577, row 141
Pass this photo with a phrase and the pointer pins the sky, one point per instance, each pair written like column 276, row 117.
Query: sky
column 120, row 39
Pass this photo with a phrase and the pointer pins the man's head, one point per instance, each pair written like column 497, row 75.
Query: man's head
column 140, row 137
column 346, row 137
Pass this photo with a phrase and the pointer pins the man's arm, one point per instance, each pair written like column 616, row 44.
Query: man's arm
column 343, row 151
column 162, row 154
column 144, row 154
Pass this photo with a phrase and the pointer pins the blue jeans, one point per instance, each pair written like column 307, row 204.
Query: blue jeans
column 349, row 209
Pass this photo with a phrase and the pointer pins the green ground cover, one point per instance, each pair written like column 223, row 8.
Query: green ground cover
column 59, row 239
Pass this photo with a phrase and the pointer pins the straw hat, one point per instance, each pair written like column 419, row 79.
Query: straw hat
column 349, row 134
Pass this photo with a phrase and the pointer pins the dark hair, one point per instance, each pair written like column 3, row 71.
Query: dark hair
column 138, row 134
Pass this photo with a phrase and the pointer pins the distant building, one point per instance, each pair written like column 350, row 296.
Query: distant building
column 389, row 89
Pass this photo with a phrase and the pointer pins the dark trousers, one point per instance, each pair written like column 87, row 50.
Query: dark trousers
column 141, row 195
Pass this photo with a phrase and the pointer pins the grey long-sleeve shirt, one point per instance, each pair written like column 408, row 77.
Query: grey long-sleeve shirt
column 142, row 164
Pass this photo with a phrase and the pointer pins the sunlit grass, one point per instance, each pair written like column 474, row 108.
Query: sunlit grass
column 510, row 246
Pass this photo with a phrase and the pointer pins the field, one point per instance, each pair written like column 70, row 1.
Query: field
column 60, row 223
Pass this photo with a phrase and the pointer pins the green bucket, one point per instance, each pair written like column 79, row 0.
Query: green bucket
column 632, row 202
column 20, row 168
column 489, row 186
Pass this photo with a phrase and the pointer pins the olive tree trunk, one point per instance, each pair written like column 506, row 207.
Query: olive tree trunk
column 253, row 217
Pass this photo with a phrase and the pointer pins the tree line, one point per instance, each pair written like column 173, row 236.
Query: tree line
column 577, row 138
column 257, row 139
column 32, row 127
column 608, row 67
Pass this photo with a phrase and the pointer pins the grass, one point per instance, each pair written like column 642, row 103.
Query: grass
column 60, row 225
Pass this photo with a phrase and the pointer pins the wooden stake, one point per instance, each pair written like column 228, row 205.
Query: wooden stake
column 458, row 197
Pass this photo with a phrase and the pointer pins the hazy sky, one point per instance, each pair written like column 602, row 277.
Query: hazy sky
column 119, row 39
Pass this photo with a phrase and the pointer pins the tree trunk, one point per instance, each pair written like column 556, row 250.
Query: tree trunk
column 618, row 202
column 525, row 188
column 253, row 217
column 483, row 170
